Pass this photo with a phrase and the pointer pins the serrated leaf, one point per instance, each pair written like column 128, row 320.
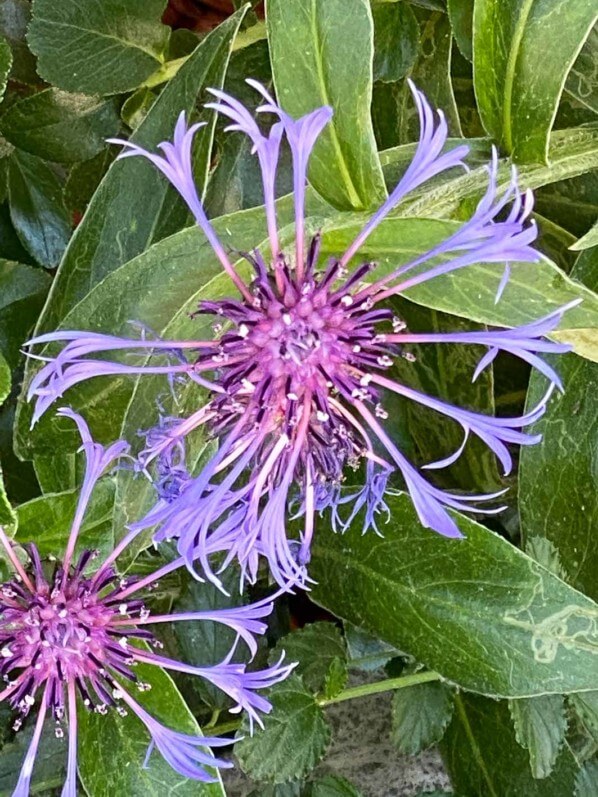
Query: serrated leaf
column 586, row 782
column 336, row 678
column 540, row 727
column 332, row 786
column 586, row 706
column 294, row 739
column 516, row 100
column 420, row 715
column 5, row 65
column 36, row 208
column 61, row 127
column 483, row 757
column 546, row 554
column 311, row 42
column 477, row 610
column 112, row 749
column 98, row 48
column 315, row 647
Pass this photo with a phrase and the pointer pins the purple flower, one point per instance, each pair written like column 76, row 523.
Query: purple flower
column 299, row 373
column 79, row 635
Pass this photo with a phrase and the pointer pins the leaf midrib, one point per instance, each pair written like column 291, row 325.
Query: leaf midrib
column 510, row 72
column 130, row 45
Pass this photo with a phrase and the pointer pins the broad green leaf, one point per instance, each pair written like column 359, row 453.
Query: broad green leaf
column 58, row 126
column 5, row 65
column 534, row 290
column 23, row 290
column 47, row 521
column 36, row 208
column 84, row 179
column 461, row 16
column 112, row 749
column 517, row 100
column 582, row 81
column 133, row 203
column 95, row 47
column 586, row 782
column 396, row 40
column 483, row 757
column 56, row 472
column 294, row 739
column 312, row 42
column 315, row 647
column 478, row 611
column 420, row 715
column 14, row 18
column 589, row 239
column 540, row 726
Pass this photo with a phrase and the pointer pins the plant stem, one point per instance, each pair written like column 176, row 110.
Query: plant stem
column 224, row 727
column 380, row 686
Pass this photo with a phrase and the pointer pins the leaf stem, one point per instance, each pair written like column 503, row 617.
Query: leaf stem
column 380, row 686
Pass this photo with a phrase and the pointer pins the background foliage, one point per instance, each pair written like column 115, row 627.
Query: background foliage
column 490, row 644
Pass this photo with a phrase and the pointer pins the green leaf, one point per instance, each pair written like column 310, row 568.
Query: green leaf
column 366, row 652
column 112, row 748
column 396, row 40
column 495, row 621
column 582, row 81
column 586, row 782
column 540, row 727
column 589, row 239
column 137, row 107
column 483, row 757
column 14, row 18
column 56, row 472
column 461, row 16
column 47, row 521
column 294, row 739
column 4, row 379
column 315, row 647
column 84, row 179
column 98, row 48
column 533, row 290
column 36, row 208
column 5, row 65
column 332, row 786
column 336, row 679
column 133, row 203
column 58, row 126
column 311, row 44
column 50, row 762
column 23, row 290
column 516, row 100
column 586, row 707
column 420, row 715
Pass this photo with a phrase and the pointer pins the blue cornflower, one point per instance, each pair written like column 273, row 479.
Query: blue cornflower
column 297, row 375
column 74, row 633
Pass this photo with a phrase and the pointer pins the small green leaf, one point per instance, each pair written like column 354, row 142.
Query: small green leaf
column 311, row 44
column 14, row 18
column 137, row 106
column 586, row 707
column 58, row 126
column 23, row 290
column 5, row 65
column 496, row 622
column 516, row 100
column 540, row 727
column 36, row 208
column 420, row 715
column 483, row 757
column 332, row 786
column 47, row 521
column 366, row 652
column 586, row 782
column 546, row 554
column 396, row 40
column 98, row 48
column 294, row 739
column 336, row 679
column 588, row 240
column 112, row 749
column 315, row 647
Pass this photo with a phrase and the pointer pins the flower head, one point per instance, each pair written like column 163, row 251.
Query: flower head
column 71, row 635
column 299, row 370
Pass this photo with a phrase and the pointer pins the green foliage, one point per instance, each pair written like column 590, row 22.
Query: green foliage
column 540, row 726
column 318, row 648
column 420, row 715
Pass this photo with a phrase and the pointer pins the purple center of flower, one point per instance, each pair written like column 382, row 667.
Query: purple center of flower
column 68, row 629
